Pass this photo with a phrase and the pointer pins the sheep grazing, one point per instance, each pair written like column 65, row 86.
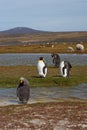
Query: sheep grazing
column 70, row 49
column 80, row 47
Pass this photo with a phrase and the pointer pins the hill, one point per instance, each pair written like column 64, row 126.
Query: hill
column 24, row 35
column 20, row 30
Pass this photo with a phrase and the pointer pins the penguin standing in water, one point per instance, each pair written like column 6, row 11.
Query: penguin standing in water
column 23, row 90
column 65, row 67
column 56, row 59
column 42, row 67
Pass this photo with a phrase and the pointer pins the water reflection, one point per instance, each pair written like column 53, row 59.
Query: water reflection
column 43, row 94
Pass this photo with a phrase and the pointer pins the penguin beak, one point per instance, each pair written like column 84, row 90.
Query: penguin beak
column 21, row 81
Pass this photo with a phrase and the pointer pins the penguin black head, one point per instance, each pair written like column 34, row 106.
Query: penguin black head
column 21, row 81
column 52, row 54
column 41, row 58
column 23, row 90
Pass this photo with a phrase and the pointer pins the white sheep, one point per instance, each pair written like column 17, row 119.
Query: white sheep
column 80, row 47
column 70, row 49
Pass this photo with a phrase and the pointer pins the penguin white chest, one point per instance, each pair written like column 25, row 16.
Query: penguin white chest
column 42, row 70
column 63, row 69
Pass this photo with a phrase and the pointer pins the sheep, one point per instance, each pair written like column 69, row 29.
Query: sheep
column 70, row 49
column 80, row 47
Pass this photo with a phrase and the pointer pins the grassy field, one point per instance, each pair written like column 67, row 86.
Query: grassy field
column 44, row 43
column 57, row 42
column 57, row 48
column 9, row 76
column 60, row 115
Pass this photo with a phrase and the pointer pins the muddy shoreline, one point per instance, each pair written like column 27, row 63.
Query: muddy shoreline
column 44, row 94
column 60, row 114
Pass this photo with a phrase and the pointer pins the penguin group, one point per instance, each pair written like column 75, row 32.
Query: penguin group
column 23, row 88
column 64, row 66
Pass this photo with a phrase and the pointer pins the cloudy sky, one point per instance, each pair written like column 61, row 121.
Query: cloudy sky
column 46, row 15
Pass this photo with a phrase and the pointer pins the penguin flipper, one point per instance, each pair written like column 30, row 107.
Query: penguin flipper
column 44, row 69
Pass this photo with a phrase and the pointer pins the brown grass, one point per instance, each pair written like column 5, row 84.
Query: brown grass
column 31, row 71
column 58, row 48
column 43, row 42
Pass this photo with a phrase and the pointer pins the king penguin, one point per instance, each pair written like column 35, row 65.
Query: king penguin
column 42, row 67
column 56, row 59
column 23, row 90
column 65, row 67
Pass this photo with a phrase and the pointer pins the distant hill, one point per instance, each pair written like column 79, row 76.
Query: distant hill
column 20, row 30
column 17, row 36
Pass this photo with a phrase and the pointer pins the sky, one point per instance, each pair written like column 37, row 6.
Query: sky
column 45, row 15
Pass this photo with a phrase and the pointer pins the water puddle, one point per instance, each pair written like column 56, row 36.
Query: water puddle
column 43, row 94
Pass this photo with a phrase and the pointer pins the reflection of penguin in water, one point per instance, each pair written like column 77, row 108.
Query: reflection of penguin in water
column 42, row 67
column 65, row 67
column 23, row 90
column 56, row 59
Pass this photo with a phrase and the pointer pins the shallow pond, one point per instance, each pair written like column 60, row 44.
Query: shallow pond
column 32, row 58
column 43, row 94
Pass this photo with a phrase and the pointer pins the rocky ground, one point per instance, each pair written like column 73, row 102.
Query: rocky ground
column 61, row 115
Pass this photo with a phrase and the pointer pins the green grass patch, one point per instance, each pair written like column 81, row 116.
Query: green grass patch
column 10, row 76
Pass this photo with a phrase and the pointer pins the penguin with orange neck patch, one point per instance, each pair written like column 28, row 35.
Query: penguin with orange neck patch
column 23, row 90
column 42, row 67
